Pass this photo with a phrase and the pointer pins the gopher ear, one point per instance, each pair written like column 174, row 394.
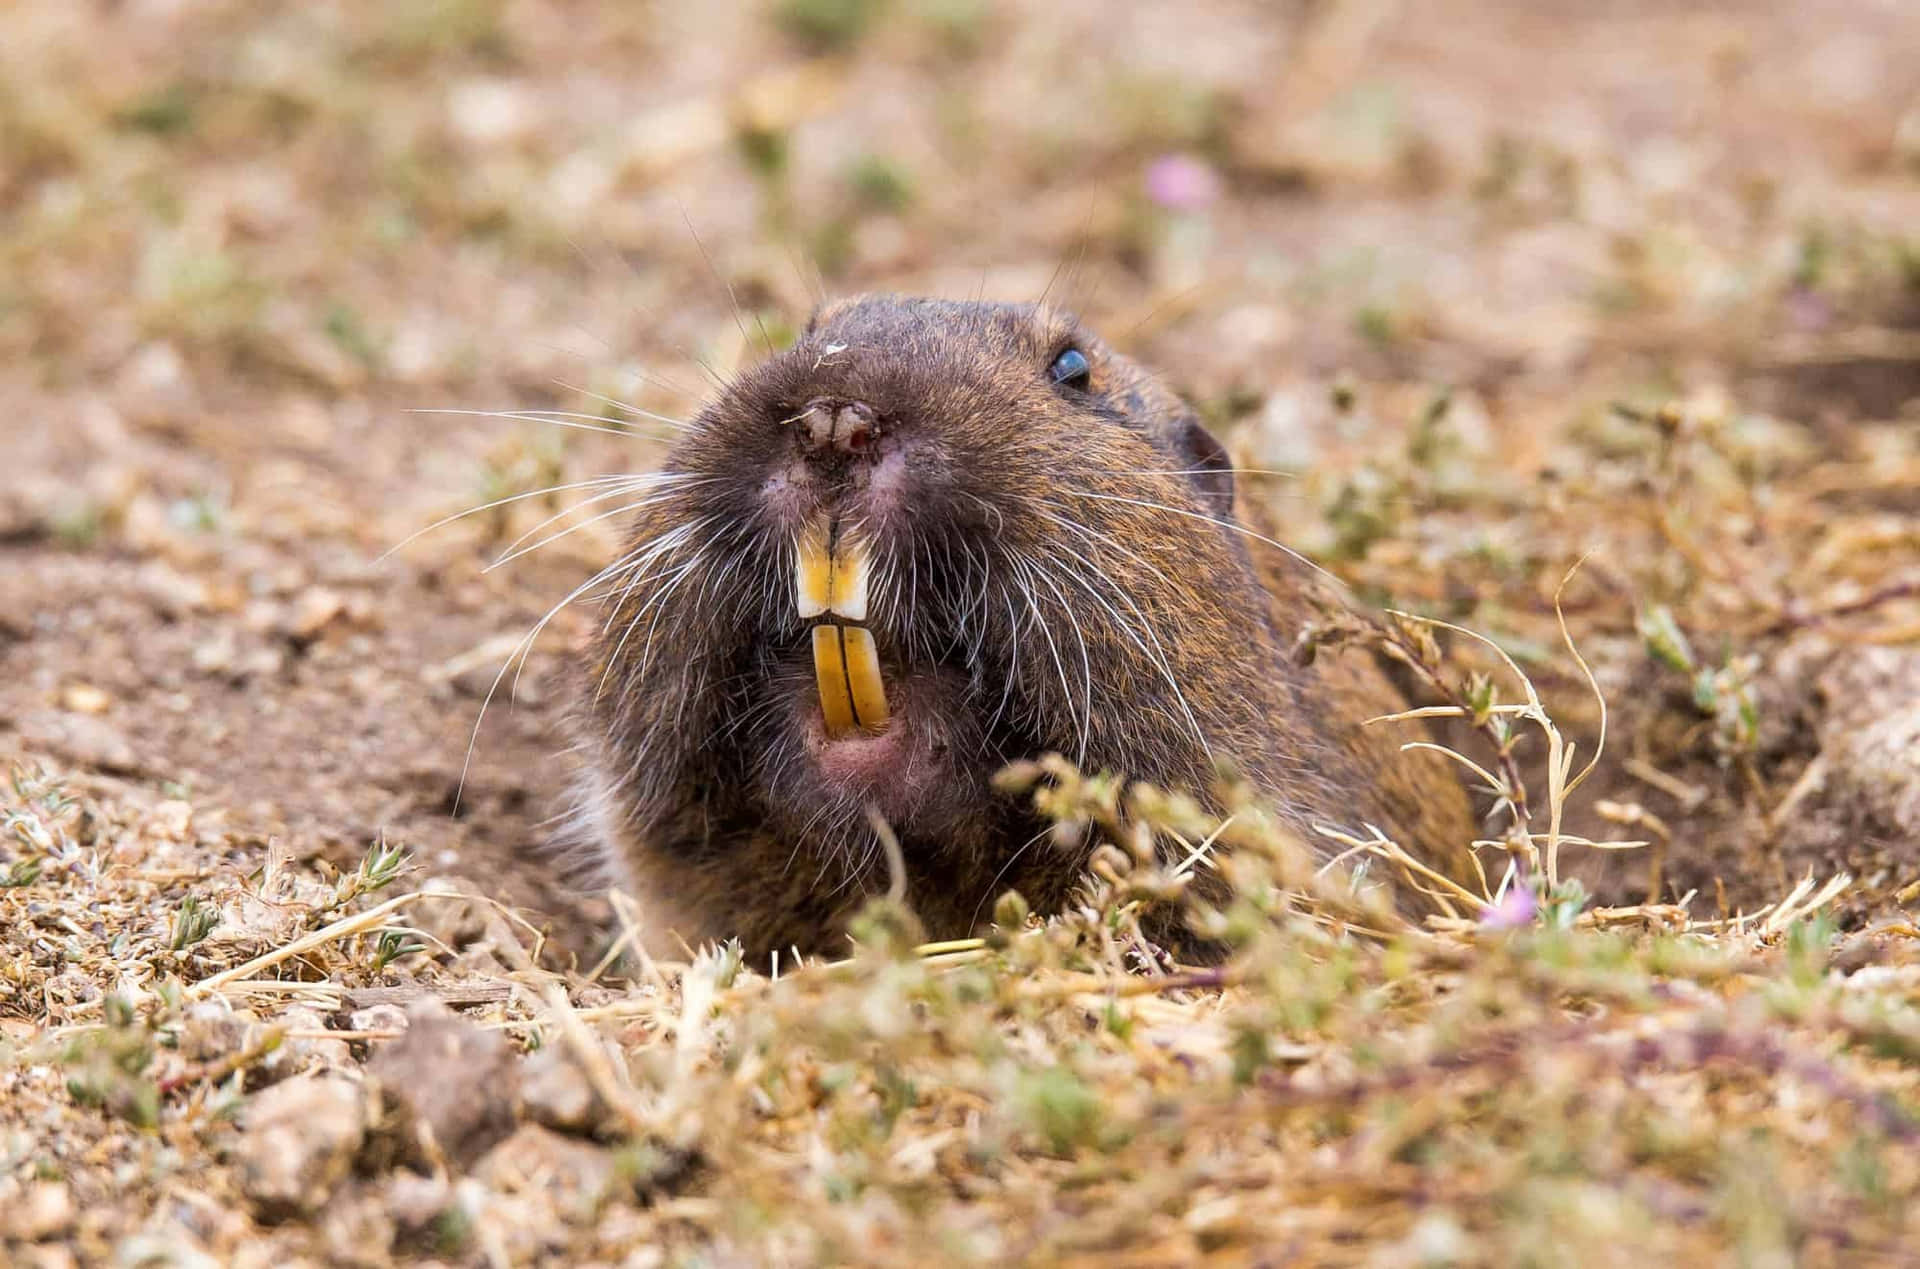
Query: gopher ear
column 1207, row 463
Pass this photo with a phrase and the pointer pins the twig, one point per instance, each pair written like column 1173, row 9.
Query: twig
column 453, row 995
column 214, row 1072
column 1794, row 619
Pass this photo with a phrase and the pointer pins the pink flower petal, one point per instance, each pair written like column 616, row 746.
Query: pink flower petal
column 1182, row 182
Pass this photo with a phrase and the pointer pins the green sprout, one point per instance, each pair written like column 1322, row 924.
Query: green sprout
column 193, row 920
column 1665, row 641
column 23, row 872
column 384, row 863
column 391, row 945
column 881, row 183
column 827, row 25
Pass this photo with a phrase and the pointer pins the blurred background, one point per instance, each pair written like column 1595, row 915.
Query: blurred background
column 1443, row 262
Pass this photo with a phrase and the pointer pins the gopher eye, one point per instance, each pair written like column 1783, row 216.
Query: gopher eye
column 1072, row 369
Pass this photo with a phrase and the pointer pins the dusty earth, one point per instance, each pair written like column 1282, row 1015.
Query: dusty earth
column 1479, row 292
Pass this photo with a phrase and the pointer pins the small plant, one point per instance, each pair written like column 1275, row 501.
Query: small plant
column 1564, row 904
column 1813, row 263
column 521, row 468
column 1907, row 263
column 384, row 863
column 1724, row 693
column 391, row 945
column 35, row 787
column 193, row 920
column 22, row 872
column 80, row 526
column 203, row 512
column 728, row 960
column 1377, row 324
column 1666, row 642
column 830, row 245
column 960, row 25
column 346, row 328
column 776, row 329
column 36, row 819
column 827, row 25
column 1364, row 511
column 1808, row 942
column 766, row 148
column 452, row 1229
column 881, row 183
column 108, row 1066
column 165, row 112
column 1060, row 1107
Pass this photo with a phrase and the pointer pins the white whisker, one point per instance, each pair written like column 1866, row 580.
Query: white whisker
column 1086, row 663
column 521, row 651
column 1159, row 655
column 512, row 554
column 501, row 502
column 1011, row 860
column 1205, row 519
column 554, row 418
column 663, row 419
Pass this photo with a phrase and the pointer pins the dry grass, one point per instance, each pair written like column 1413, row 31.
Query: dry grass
column 1347, row 1087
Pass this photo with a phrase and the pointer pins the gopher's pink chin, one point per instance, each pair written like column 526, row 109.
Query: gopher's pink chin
column 857, row 761
column 900, row 770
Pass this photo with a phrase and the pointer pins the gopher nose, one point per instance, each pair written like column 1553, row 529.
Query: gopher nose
column 830, row 428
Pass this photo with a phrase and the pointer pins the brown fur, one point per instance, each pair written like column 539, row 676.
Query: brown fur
column 1029, row 600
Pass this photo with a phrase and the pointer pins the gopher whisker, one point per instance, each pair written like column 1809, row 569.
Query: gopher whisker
column 515, row 551
column 663, row 419
column 1213, row 520
column 501, row 502
column 554, row 418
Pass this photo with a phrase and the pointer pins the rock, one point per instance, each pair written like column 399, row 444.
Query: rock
column 416, row 1201
column 173, row 594
column 299, row 1143
column 85, row 698
column 378, row 1018
column 357, row 1229
column 156, row 384
column 1872, row 735
column 457, row 925
column 49, row 1256
column 43, row 1210
column 83, row 740
column 518, row 1229
column 1857, row 805
column 171, row 820
column 451, row 1086
column 554, row 1091
column 212, row 1029
column 490, row 111
column 574, row 1178
column 216, row 655
column 477, row 672
column 302, row 1053
column 315, row 609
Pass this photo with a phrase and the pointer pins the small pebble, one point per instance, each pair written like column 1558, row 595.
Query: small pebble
column 554, row 1091
column 299, row 1142
column 453, row 1084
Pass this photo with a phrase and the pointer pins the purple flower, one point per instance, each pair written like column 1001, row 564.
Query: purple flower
column 1515, row 909
column 1181, row 182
